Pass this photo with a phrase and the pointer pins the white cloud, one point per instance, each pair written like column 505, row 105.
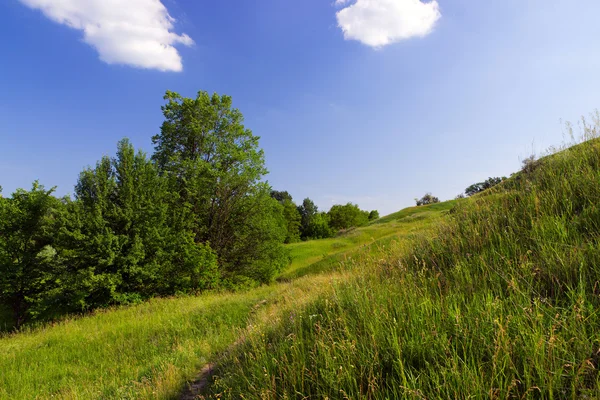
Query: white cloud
column 131, row 32
column 378, row 23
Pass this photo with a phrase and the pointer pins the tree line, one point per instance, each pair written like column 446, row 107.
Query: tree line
column 194, row 215
column 305, row 221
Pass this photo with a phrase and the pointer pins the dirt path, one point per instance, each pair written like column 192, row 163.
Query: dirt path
column 196, row 388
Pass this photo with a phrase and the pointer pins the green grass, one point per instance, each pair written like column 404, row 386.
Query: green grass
column 151, row 350
column 501, row 300
column 318, row 256
column 496, row 296
column 148, row 351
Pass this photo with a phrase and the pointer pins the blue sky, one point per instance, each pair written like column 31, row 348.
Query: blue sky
column 370, row 101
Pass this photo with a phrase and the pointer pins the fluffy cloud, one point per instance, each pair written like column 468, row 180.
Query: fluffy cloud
column 131, row 32
column 378, row 23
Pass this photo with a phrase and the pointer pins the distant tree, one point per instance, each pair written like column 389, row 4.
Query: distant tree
column 307, row 211
column 459, row 196
column 290, row 214
column 281, row 196
column 481, row 186
column 428, row 198
column 373, row 215
column 346, row 216
column 319, row 227
column 529, row 164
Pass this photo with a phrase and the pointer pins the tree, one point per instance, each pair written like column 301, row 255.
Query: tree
column 428, row 198
column 214, row 165
column 307, row 210
column 346, row 216
column 290, row 214
column 29, row 267
column 373, row 215
column 132, row 238
column 481, row 186
column 281, row 196
column 319, row 227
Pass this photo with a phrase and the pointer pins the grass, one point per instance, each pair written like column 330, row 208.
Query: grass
column 324, row 255
column 151, row 350
column 148, row 351
column 500, row 301
column 496, row 296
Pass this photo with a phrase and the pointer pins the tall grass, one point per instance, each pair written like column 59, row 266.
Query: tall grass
column 148, row 351
column 151, row 350
column 501, row 301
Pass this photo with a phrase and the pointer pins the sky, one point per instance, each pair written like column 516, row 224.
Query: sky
column 374, row 102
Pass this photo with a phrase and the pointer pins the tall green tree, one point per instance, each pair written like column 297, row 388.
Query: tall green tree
column 132, row 240
column 30, row 273
column 308, row 210
column 215, row 166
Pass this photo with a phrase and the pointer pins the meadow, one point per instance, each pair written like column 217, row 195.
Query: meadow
column 494, row 296
column 152, row 350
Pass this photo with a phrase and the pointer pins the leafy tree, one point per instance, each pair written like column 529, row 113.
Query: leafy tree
column 130, row 238
column 307, row 210
column 292, row 219
column 373, row 215
column 319, row 227
column 428, row 198
column 481, row 186
column 346, row 216
column 30, row 271
column 214, row 165
column 281, row 196
column 258, row 254
column 290, row 214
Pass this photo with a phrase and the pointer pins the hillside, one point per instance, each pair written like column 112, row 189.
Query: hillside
column 499, row 301
column 151, row 350
column 494, row 296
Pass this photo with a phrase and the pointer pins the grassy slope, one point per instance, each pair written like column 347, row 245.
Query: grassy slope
column 323, row 255
column 151, row 350
column 148, row 351
column 500, row 301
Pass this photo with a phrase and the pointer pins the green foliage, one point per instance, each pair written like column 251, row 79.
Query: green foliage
column 428, row 198
column 307, row 210
column 347, row 216
column 281, row 196
column 481, row 186
column 130, row 247
column 214, row 165
column 30, row 270
column 319, row 227
column 373, row 215
column 291, row 215
column 194, row 217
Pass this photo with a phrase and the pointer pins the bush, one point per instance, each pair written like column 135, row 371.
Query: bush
column 427, row 199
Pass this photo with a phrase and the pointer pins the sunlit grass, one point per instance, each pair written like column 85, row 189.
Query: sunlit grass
column 499, row 301
column 318, row 256
column 496, row 296
column 150, row 351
